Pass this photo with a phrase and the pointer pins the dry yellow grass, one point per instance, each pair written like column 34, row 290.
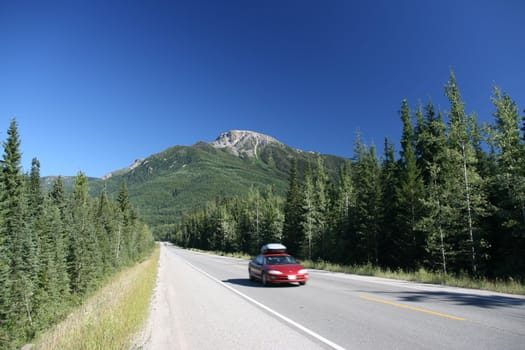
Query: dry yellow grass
column 112, row 316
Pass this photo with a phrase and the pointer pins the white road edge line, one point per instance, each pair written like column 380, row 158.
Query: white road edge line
column 273, row 312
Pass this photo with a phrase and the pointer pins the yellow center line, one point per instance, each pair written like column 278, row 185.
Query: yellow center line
column 412, row 308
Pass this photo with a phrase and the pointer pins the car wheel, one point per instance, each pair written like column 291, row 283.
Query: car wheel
column 263, row 279
column 302, row 283
column 250, row 274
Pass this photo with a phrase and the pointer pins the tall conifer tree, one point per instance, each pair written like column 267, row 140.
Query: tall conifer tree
column 309, row 212
column 509, row 182
column 321, row 205
column 342, row 204
column 105, row 230
column 409, row 193
column 19, row 241
column 434, row 160
column 366, row 217
column 388, row 250
column 470, row 199
column 85, row 260
column 293, row 233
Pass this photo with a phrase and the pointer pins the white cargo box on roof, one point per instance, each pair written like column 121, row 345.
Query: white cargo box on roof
column 273, row 248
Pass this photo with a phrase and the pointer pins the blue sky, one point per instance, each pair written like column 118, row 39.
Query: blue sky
column 95, row 85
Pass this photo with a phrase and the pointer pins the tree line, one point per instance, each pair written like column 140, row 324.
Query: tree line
column 56, row 247
column 453, row 200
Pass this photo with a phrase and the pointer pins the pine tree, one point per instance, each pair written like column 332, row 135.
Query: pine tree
column 470, row 201
column 84, row 259
column 341, row 204
column 35, row 197
column 18, row 240
column 272, row 217
column 124, row 252
column 437, row 209
column 409, row 192
column 105, row 226
column 53, row 278
column 58, row 215
column 309, row 212
column 253, row 214
column 366, row 217
column 36, row 222
column 437, row 217
column 48, row 244
column 5, row 273
column 58, row 196
column 321, row 208
column 243, row 215
column 388, row 256
column 523, row 126
column 293, row 233
column 429, row 130
column 510, row 156
column 509, row 182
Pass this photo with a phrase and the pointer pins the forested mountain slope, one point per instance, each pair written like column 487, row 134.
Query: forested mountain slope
column 166, row 185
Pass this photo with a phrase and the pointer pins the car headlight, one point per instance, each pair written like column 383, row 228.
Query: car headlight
column 274, row 272
column 302, row 272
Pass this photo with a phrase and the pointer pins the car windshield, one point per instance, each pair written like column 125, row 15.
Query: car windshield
column 279, row 260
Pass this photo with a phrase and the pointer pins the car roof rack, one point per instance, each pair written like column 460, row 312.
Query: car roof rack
column 273, row 248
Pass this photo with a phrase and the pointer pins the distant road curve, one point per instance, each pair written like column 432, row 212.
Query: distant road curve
column 207, row 302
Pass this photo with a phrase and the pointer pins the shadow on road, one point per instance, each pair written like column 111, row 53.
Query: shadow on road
column 482, row 301
column 255, row 284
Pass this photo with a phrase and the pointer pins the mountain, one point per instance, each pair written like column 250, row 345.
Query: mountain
column 241, row 142
column 166, row 185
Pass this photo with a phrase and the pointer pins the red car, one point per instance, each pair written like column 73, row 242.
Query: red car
column 274, row 265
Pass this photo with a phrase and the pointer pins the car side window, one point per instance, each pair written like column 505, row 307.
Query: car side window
column 259, row 260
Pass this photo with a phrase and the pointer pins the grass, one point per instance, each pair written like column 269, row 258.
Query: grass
column 112, row 317
column 509, row 286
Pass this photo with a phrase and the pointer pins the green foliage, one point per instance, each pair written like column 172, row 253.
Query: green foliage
column 445, row 205
column 388, row 242
column 169, row 185
column 293, row 228
column 508, row 186
column 54, row 246
column 241, row 224
column 467, row 185
column 408, row 194
column 19, row 241
column 112, row 316
column 310, row 213
column 366, row 216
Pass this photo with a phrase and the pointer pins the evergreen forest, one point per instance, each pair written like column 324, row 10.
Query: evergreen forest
column 452, row 200
column 56, row 247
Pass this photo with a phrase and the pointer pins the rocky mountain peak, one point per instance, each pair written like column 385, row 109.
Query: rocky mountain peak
column 132, row 167
column 243, row 141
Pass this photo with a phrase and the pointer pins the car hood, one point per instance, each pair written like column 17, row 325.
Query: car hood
column 286, row 268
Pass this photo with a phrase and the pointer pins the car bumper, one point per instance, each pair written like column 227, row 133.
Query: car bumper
column 287, row 278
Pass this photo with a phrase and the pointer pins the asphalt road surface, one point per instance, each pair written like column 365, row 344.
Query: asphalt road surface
column 207, row 302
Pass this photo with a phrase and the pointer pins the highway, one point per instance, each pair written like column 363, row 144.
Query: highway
column 207, row 302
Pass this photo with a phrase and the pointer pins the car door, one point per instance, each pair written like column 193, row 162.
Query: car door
column 257, row 266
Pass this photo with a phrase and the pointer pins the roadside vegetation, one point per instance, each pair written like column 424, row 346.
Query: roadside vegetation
column 112, row 317
column 57, row 247
column 463, row 280
column 449, row 207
